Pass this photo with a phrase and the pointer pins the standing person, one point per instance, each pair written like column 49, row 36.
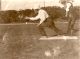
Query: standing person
column 45, row 20
column 70, row 14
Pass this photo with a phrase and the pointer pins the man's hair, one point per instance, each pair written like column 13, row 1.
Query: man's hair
column 63, row 2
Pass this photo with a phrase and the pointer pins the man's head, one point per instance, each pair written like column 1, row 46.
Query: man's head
column 63, row 2
column 36, row 11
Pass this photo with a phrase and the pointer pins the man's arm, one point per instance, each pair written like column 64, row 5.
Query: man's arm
column 33, row 18
column 42, row 20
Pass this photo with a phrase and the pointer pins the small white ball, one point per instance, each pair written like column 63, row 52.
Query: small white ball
column 26, row 23
column 47, row 53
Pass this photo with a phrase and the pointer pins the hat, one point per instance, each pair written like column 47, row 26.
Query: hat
column 63, row 2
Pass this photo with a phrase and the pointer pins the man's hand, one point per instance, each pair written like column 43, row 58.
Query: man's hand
column 27, row 17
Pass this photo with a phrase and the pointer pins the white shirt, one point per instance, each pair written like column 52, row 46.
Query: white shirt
column 42, row 15
column 68, row 6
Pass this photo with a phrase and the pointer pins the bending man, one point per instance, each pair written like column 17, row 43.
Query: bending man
column 45, row 20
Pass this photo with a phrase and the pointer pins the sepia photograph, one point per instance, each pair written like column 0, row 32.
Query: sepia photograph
column 39, row 29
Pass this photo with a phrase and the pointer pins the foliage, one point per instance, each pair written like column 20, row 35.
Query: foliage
column 54, row 12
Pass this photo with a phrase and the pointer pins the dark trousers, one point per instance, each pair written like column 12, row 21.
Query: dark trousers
column 71, row 23
column 48, row 23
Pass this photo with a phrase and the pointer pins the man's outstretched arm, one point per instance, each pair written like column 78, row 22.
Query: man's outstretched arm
column 33, row 18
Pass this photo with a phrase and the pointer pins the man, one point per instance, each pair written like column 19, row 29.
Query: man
column 45, row 20
column 68, row 6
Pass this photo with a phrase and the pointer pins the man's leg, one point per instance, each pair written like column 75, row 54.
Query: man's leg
column 71, row 22
column 42, row 31
column 58, row 31
column 51, row 25
column 71, row 26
